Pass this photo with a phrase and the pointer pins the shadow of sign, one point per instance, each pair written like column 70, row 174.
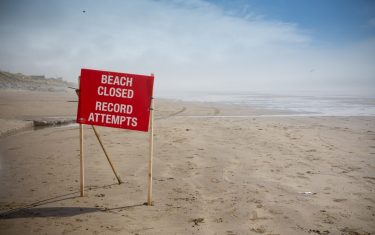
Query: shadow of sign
column 35, row 210
column 59, row 211
column 48, row 212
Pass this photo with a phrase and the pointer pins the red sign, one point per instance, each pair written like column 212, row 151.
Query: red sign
column 113, row 99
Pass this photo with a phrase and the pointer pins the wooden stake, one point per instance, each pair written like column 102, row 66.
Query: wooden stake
column 149, row 199
column 81, row 147
column 81, row 159
column 106, row 154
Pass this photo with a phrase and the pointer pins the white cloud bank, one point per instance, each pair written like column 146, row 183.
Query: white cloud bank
column 193, row 46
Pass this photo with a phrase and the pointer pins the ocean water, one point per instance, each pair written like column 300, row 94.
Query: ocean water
column 300, row 105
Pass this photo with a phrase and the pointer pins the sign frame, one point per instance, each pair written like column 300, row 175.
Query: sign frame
column 146, row 106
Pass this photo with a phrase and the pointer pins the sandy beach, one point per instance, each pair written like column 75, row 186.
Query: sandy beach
column 213, row 174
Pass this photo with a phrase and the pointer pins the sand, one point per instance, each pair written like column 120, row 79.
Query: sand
column 212, row 175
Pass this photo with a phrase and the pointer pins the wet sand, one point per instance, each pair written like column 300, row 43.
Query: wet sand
column 224, row 175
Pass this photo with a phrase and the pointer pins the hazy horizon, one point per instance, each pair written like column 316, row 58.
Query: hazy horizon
column 217, row 46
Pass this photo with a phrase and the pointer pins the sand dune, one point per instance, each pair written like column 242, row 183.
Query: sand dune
column 19, row 81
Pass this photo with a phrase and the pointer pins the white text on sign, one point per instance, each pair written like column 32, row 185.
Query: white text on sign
column 116, row 92
column 114, row 107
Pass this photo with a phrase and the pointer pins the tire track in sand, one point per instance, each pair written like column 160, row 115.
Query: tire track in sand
column 183, row 109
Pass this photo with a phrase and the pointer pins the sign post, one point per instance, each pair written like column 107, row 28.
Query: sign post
column 118, row 100
column 149, row 198
column 81, row 159
column 82, row 165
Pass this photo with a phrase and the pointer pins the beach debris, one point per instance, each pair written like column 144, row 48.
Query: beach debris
column 350, row 231
column 164, row 179
column 339, row 199
column 261, row 229
column 197, row 221
column 325, row 232
column 219, row 220
column 307, row 193
column 53, row 121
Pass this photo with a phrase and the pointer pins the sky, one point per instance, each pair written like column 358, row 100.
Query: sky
column 197, row 45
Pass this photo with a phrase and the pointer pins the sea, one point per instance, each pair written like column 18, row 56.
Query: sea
column 296, row 104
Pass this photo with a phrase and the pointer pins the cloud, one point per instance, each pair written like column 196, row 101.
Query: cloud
column 189, row 45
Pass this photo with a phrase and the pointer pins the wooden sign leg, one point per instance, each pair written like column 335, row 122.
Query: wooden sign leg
column 81, row 159
column 149, row 198
column 106, row 154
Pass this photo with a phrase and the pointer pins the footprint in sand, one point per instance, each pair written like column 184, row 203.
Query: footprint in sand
column 255, row 216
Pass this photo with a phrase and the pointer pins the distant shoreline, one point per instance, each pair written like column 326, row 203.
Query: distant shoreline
column 298, row 105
